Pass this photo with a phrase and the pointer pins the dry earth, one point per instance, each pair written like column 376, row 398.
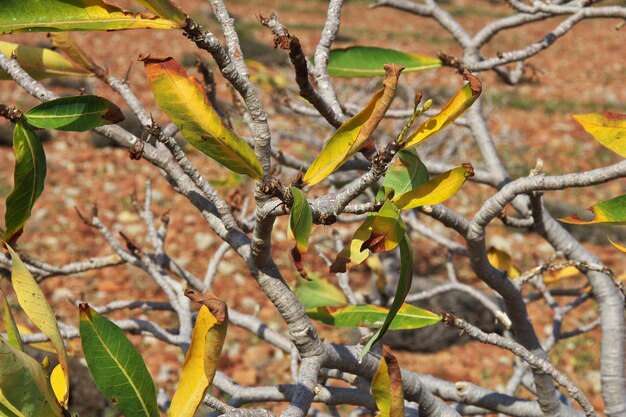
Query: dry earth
column 583, row 72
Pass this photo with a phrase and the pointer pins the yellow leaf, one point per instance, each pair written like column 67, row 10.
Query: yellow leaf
column 501, row 260
column 36, row 307
column 387, row 386
column 461, row 101
column 64, row 42
column 40, row 63
column 208, row 336
column 59, row 385
column 551, row 277
column 617, row 245
column 354, row 253
column 183, row 99
column 437, row 190
column 43, row 346
column 354, row 134
column 607, row 128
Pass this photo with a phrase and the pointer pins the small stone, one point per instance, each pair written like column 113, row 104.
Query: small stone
column 61, row 294
column 126, row 216
column 279, row 236
column 226, row 268
column 204, row 240
column 109, row 187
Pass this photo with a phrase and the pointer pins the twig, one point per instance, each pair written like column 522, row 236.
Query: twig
column 520, row 351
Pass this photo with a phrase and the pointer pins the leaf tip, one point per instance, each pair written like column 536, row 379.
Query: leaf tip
column 469, row 169
column 216, row 306
column 474, row 83
column 113, row 114
column 85, row 311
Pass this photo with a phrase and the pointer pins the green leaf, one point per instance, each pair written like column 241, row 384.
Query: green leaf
column 406, row 173
column 367, row 61
column 372, row 316
column 183, row 99
column 437, row 190
column 404, row 286
column 355, row 133
column 117, row 368
column 300, row 219
column 607, row 128
column 28, row 177
column 40, row 63
column 74, row 114
column 34, row 303
column 387, row 386
column 318, row 292
column 300, row 225
column 7, row 409
column 73, row 15
column 608, row 211
column 13, row 334
column 24, row 388
column 166, row 9
column 461, row 101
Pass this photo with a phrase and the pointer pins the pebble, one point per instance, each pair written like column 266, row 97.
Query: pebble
column 203, row 241
column 61, row 294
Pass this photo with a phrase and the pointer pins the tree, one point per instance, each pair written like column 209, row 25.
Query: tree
column 388, row 165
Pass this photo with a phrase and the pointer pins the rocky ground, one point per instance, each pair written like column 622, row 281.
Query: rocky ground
column 580, row 73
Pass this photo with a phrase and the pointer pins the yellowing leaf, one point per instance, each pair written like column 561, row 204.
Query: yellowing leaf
column 166, row 9
column 354, row 253
column 461, row 101
column 355, row 133
column 64, row 42
column 40, row 63
column 36, row 307
column 501, row 260
column 618, row 246
column 608, row 211
column 193, row 381
column 73, row 15
column 59, row 386
column 387, row 386
column 42, row 346
column 607, row 128
column 437, row 190
column 388, row 229
column 183, row 99
column 13, row 334
column 24, row 388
